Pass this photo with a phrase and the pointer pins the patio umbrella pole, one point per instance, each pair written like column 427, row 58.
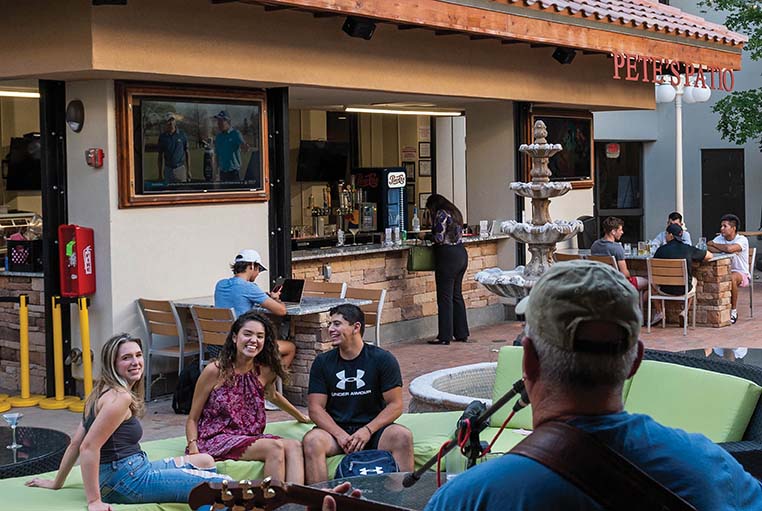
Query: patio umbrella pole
column 477, row 426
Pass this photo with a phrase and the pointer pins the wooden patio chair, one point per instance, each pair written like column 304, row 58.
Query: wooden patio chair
column 610, row 260
column 670, row 272
column 213, row 325
column 567, row 257
column 160, row 318
column 319, row 289
column 372, row 310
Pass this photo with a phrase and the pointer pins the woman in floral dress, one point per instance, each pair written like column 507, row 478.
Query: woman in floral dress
column 227, row 417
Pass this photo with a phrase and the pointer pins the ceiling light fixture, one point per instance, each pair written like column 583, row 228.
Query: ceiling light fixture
column 18, row 94
column 432, row 113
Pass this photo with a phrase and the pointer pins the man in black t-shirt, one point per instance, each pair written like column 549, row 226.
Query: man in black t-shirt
column 676, row 249
column 354, row 397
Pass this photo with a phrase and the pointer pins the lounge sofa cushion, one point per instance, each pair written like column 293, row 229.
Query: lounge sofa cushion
column 507, row 372
column 698, row 401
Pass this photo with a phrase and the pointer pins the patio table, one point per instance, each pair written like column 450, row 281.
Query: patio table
column 41, row 451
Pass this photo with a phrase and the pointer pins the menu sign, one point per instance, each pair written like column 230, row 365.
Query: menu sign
column 396, row 180
column 634, row 68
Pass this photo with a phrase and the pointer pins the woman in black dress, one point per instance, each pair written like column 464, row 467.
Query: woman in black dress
column 451, row 261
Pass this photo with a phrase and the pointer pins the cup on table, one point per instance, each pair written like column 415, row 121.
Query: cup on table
column 642, row 248
column 483, row 228
column 702, row 243
column 627, row 249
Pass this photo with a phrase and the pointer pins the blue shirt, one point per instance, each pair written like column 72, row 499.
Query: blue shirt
column 239, row 294
column 227, row 145
column 173, row 146
column 689, row 464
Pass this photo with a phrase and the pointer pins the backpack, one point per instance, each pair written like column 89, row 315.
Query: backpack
column 186, row 384
column 366, row 463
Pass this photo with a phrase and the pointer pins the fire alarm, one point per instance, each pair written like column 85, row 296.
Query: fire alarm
column 94, row 157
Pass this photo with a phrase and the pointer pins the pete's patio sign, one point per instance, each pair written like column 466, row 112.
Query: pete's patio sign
column 634, row 68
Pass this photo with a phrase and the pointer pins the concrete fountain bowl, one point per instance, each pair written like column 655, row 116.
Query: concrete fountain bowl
column 546, row 234
column 541, row 190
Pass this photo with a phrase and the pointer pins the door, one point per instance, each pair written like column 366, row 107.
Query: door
column 722, row 185
column 619, row 187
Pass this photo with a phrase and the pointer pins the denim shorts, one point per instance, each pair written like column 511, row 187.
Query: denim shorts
column 135, row 480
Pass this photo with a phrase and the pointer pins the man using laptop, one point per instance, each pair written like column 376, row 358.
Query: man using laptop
column 241, row 293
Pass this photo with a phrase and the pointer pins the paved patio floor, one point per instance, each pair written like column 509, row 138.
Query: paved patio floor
column 417, row 358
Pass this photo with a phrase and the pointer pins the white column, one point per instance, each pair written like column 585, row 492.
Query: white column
column 679, row 151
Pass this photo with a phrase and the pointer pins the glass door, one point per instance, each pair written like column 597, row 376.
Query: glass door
column 619, row 185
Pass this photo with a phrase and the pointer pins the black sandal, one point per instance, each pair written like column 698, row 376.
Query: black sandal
column 438, row 341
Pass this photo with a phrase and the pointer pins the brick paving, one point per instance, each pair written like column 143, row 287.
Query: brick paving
column 417, row 358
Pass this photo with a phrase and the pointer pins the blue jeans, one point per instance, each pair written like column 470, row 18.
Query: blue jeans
column 135, row 480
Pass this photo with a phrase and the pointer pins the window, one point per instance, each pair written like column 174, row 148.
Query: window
column 619, row 187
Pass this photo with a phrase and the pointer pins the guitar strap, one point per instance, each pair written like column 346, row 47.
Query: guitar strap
column 600, row 472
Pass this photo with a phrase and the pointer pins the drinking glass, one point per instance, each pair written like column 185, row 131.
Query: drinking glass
column 642, row 248
column 627, row 250
column 455, row 463
column 702, row 243
column 12, row 419
column 354, row 229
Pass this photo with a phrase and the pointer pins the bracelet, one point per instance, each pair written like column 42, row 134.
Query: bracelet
column 190, row 442
column 369, row 431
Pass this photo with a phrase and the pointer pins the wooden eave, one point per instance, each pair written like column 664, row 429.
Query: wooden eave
column 495, row 20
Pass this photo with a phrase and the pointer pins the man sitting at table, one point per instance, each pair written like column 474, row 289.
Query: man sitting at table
column 674, row 218
column 676, row 248
column 730, row 242
column 242, row 294
column 354, row 397
column 608, row 245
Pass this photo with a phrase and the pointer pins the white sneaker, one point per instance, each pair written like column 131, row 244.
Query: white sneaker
column 733, row 317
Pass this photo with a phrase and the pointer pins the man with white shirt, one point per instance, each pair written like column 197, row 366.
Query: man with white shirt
column 673, row 218
column 730, row 242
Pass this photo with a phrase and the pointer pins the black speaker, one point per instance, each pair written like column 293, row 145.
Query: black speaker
column 359, row 27
column 564, row 55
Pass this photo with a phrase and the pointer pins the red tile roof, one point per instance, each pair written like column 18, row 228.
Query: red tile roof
column 646, row 14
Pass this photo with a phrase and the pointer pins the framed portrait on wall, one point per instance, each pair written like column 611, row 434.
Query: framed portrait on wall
column 409, row 171
column 424, row 149
column 572, row 129
column 185, row 145
column 424, row 168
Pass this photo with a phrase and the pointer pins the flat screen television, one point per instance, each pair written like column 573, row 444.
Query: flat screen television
column 23, row 163
column 320, row 160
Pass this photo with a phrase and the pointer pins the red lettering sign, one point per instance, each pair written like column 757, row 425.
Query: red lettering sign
column 636, row 68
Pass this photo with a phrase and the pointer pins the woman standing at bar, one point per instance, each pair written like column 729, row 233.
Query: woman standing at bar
column 450, row 263
column 227, row 418
column 114, row 468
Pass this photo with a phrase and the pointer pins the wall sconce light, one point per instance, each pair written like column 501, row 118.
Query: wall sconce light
column 564, row 55
column 359, row 27
column 75, row 115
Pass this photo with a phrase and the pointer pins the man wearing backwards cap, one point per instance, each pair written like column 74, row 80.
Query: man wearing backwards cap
column 241, row 293
column 580, row 344
column 676, row 248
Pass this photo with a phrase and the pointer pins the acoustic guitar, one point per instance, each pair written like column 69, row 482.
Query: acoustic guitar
column 270, row 494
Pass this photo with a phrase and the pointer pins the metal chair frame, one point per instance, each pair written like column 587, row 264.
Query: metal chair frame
column 372, row 310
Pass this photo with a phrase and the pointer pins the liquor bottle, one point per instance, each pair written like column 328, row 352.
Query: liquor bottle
column 416, row 221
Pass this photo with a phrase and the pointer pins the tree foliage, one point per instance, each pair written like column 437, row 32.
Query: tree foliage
column 741, row 111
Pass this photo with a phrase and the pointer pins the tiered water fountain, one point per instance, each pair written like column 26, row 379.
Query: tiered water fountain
column 541, row 234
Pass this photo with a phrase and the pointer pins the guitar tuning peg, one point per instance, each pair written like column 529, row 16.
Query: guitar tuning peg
column 227, row 495
column 265, row 486
column 246, row 489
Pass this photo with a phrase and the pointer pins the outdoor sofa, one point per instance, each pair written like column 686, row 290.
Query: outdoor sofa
column 716, row 398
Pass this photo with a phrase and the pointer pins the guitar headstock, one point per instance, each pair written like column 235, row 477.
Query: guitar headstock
column 243, row 495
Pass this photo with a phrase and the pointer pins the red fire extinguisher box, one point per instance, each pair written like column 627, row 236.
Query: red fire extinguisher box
column 77, row 260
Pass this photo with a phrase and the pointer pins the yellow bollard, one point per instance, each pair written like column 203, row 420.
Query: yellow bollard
column 87, row 362
column 59, row 402
column 26, row 398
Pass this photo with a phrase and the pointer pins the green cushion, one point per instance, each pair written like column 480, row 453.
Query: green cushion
column 698, row 401
column 508, row 371
column 430, row 431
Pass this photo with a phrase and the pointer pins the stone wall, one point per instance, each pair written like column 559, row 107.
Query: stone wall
column 409, row 295
column 9, row 333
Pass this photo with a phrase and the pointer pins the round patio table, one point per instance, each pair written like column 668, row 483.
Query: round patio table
column 41, row 451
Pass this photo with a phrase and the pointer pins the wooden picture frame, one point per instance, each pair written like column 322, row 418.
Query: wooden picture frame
column 409, row 171
column 410, row 192
column 213, row 129
column 424, row 168
column 573, row 129
column 424, row 149
column 422, row 198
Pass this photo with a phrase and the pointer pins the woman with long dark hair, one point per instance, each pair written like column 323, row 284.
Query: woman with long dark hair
column 450, row 263
column 227, row 418
column 114, row 468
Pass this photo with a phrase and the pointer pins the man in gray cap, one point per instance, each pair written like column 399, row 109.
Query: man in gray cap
column 580, row 345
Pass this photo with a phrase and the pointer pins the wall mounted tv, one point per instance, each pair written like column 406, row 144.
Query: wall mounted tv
column 21, row 167
column 320, row 160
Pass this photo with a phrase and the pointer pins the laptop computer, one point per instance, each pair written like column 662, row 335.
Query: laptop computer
column 291, row 291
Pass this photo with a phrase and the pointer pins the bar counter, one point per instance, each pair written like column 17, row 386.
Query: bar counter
column 409, row 295
column 712, row 289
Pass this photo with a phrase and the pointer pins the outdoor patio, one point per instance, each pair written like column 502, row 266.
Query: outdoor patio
column 417, row 358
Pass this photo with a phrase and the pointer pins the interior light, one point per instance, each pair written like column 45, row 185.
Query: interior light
column 18, row 94
column 432, row 113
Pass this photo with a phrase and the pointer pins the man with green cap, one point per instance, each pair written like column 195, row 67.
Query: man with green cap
column 580, row 345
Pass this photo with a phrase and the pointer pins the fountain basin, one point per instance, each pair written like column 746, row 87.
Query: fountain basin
column 541, row 190
column 540, row 150
column 546, row 234
column 505, row 283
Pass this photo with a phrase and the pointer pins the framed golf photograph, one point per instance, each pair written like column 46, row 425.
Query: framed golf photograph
column 409, row 171
column 424, row 168
column 424, row 149
column 184, row 144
